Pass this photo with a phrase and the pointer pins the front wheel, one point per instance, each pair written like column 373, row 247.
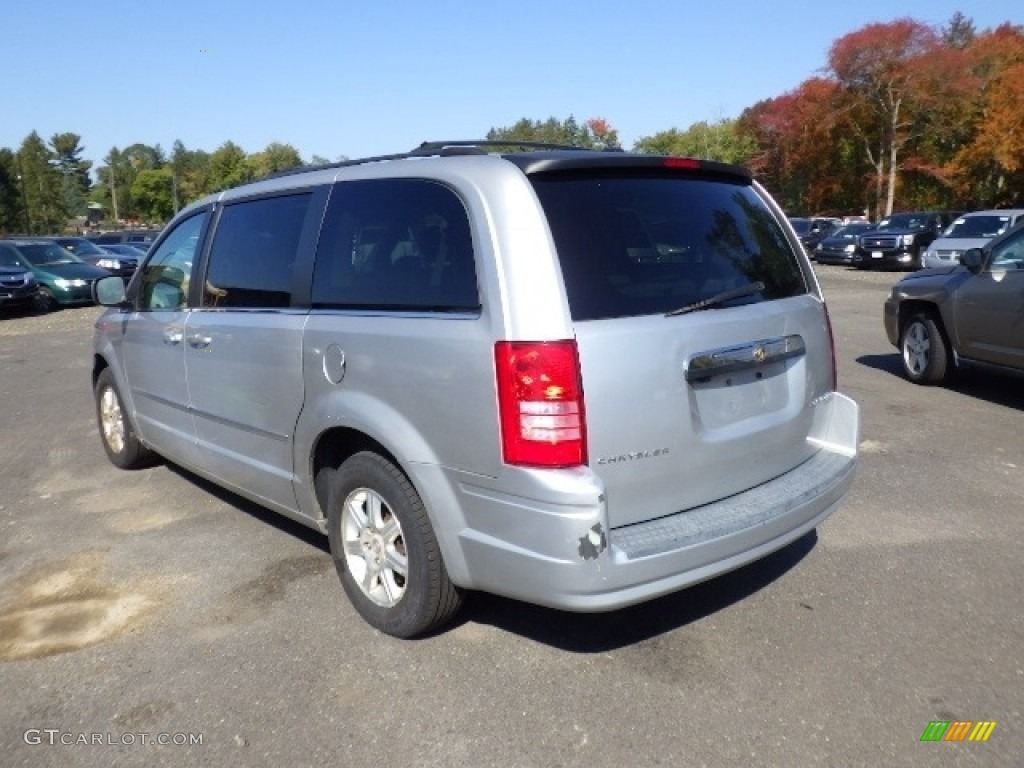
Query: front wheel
column 924, row 350
column 44, row 301
column 119, row 439
column 385, row 550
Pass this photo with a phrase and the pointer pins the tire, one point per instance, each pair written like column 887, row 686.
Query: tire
column 924, row 350
column 116, row 430
column 44, row 302
column 385, row 550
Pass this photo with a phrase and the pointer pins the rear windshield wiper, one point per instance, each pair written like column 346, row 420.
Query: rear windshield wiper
column 718, row 298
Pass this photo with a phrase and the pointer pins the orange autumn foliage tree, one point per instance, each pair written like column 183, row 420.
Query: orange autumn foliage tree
column 989, row 166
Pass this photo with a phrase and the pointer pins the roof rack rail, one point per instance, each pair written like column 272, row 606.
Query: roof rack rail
column 442, row 149
column 439, row 147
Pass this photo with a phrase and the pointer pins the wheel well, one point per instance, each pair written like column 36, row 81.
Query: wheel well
column 910, row 308
column 335, row 446
column 98, row 366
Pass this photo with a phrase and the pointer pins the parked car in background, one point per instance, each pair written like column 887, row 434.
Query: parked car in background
column 838, row 247
column 812, row 230
column 103, row 256
column 63, row 278
column 18, row 286
column 900, row 240
column 577, row 378
column 972, row 230
column 962, row 315
column 133, row 250
column 142, row 238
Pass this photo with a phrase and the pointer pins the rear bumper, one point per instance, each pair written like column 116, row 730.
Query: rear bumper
column 564, row 556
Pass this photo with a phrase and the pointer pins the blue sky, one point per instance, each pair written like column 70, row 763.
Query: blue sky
column 338, row 77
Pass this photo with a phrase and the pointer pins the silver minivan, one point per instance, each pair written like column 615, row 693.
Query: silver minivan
column 577, row 378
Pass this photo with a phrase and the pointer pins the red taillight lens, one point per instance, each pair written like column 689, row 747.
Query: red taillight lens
column 540, row 400
column 682, row 162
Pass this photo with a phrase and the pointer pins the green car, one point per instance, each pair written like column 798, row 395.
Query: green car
column 64, row 279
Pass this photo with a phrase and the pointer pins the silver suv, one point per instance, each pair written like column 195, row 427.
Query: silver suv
column 580, row 379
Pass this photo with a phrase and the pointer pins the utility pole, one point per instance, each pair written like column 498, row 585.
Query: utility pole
column 24, row 197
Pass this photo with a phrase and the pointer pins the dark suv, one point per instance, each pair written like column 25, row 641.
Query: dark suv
column 901, row 239
column 957, row 316
column 141, row 238
column 812, row 231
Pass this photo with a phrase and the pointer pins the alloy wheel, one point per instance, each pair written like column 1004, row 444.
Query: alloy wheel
column 374, row 547
column 112, row 420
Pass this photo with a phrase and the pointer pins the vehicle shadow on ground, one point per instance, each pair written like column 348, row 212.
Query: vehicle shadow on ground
column 270, row 517
column 602, row 632
column 576, row 632
column 992, row 388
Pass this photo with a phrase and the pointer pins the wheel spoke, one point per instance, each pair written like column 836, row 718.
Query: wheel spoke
column 375, row 510
column 391, row 530
column 371, row 578
column 355, row 505
column 396, row 562
column 391, row 588
column 354, row 548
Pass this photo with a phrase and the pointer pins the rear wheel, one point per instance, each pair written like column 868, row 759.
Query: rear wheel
column 924, row 350
column 385, row 550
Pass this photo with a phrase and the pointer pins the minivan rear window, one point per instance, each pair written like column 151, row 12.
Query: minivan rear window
column 648, row 243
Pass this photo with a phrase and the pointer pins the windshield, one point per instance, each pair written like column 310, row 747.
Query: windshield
column 45, row 254
column 978, row 226
column 9, row 257
column 82, row 247
column 125, row 250
column 850, row 231
column 905, row 221
column 636, row 244
column 802, row 226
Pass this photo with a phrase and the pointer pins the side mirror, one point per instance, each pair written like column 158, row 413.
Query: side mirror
column 972, row 259
column 109, row 291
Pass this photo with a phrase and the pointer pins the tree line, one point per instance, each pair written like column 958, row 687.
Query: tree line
column 903, row 116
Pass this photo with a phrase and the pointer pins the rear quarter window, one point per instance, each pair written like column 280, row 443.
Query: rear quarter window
column 647, row 244
column 395, row 244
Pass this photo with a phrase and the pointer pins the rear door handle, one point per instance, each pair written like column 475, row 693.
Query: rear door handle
column 199, row 342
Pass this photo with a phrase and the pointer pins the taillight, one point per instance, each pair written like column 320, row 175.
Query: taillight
column 832, row 348
column 687, row 163
column 540, row 402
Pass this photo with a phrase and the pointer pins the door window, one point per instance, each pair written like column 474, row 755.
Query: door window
column 253, row 253
column 1009, row 254
column 165, row 277
column 395, row 244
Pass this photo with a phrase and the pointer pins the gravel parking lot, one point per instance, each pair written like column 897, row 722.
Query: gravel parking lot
column 150, row 618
